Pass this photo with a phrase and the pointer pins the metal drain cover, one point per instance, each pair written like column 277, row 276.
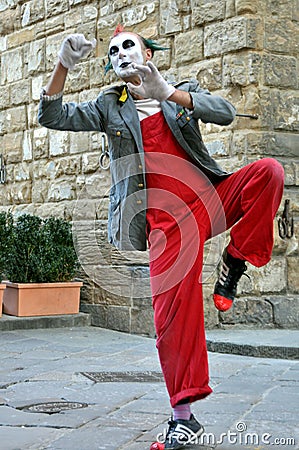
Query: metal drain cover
column 53, row 407
column 125, row 377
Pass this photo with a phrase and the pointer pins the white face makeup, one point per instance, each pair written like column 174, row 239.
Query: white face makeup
column 125, row 49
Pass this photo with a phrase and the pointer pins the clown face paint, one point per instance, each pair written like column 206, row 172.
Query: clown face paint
column 125, row 49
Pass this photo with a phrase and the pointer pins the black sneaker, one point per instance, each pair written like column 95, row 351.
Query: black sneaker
column 226, row 286
column 182, row 432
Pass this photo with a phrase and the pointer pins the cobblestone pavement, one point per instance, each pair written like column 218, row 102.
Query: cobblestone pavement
column 254, row 404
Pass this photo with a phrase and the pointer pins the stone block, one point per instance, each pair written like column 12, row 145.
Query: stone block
column 32, row 12
column 295, row 11
column 2, row 122
column 241, row 69
column 138, row 14
column 106, row 26
column 219, row 145
column 11, row 66
column 53, row 44
column 208, row 73
column 4, row 99
column 281, row 36
column 283, row 10
column 115, row 280
column 230, row 9
column 285, row 311
column 211, row 314
column 73, row 18
column 40, row 143
column 61, row 190
column 289, row 173
column 98, row 314
column 20, row 193
column 252, row 311
column 246, row 6
column 18, row 38
column 236, row 314
column 285, row 107
column 22, row 172
column 142, row 321
column 9, row 21
column 78, row 78
column 3, row 44
column 89, row 13
column 79, row 142
column 54, row 7
column 27, row 146
column 35, row 56
column 274, row 144
column 205, row 11
column 185, row 53
column 280, row 71
column 19, row 92
column 170, row 19
column 58, row 143
column 269, row 278
column 16, row 119
column 293, row 278
column 12, row 147
column 39, row 191
column 230, row 35
column 141, row 288
column 118, row 318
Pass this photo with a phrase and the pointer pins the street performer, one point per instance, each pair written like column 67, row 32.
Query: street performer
column 168, row 194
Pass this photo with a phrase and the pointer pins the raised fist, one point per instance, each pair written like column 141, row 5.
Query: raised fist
column 73, row 48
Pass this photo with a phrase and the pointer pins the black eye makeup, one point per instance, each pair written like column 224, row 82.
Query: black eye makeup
column 128, row 43
column 113, row 50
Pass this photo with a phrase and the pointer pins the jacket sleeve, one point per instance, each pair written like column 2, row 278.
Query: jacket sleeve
column 86, row 116
column 207, row 107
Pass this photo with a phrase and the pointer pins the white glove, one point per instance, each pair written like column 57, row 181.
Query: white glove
column 152, row 83
column 73, row 48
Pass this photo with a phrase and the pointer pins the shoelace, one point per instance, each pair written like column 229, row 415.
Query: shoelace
column 230, row 276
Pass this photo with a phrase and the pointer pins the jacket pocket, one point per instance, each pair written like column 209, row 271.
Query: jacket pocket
column 120, row 141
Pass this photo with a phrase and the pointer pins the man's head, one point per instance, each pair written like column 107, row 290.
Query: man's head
column 125, row 48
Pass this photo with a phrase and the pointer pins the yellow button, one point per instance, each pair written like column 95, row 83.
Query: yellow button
column 188, row 118
column 140, row 185
column 140, row 166
column 118, row 133
column 139, row 202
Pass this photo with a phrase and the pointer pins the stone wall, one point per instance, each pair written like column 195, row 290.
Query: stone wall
column 244, row 50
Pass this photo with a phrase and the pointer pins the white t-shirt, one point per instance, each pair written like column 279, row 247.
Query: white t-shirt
column 147, row 107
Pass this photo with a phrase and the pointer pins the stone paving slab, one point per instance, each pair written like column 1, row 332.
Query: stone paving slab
column 40, row 365
column 265, row 343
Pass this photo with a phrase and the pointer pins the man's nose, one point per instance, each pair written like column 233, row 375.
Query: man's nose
column 122, row 53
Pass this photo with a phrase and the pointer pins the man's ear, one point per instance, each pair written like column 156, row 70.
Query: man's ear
column 148, row 54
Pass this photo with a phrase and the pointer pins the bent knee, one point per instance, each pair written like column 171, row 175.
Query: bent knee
column 272, row 168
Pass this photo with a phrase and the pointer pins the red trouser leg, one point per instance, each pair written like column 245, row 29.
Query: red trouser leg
column 250, row 199
column 178, row 305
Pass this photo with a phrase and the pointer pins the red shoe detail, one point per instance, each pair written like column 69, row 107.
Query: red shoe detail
column 222, row 303
column 157, row 446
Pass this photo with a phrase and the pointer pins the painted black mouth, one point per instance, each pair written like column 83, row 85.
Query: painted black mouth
column 124, row 65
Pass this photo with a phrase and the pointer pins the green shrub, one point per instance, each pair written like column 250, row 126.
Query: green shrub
column 36, row 250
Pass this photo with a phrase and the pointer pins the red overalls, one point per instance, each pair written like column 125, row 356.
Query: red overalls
column 184, row 210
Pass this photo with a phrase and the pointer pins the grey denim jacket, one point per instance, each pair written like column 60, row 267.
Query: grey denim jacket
column 114, row 113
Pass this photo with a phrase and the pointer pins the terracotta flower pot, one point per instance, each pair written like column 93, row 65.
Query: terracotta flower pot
column 2, row 287
column 41, row 299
